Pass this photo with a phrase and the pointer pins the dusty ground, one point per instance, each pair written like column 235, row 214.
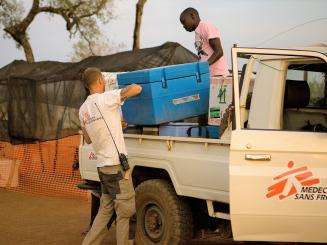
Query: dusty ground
column 29, row 219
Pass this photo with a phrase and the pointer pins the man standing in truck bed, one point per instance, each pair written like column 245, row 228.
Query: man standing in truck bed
column 207, row 41
column 101, row 124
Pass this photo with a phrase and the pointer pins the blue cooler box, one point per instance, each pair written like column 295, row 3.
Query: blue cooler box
column 170, row 93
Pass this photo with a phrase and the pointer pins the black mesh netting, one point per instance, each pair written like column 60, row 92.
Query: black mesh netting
column 40, row 101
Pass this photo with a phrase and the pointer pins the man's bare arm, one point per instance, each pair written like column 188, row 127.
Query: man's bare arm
column 86, row 136
column 130, row 91
column 218, row 52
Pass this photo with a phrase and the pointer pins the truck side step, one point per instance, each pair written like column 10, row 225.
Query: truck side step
column 213, row 213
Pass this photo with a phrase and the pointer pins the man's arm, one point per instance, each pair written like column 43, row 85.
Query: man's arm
column 218, row 52
column 130, row 91
column 86, row 136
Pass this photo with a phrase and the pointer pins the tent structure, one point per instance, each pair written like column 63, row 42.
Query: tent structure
column 40, row 101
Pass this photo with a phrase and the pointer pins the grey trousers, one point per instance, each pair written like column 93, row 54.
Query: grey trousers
column 118, row 198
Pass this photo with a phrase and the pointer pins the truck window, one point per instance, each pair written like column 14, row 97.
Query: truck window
column 283, row 93
column 305, row 101
column 258, row 82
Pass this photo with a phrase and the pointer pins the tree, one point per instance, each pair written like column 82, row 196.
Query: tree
column 100, row 46
column 80, row 16
column 138, row 21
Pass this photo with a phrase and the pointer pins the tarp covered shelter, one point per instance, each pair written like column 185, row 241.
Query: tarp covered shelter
column 40, row 101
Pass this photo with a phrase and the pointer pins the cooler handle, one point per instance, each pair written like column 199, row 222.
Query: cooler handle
column 189, row 131
column 197, row 73
column 163, row 79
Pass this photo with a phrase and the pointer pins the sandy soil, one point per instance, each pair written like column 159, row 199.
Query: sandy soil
column 30, row 219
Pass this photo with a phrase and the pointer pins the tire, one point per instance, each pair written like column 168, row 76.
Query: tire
column 162, row 217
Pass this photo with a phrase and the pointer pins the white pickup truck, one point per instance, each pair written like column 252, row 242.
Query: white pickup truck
column 268, row 172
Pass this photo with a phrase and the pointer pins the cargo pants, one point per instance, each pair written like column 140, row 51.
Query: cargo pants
column 118, row 198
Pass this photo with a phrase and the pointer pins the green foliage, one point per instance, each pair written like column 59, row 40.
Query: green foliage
column 82, row 18
column 100, row 46
column 11, row 12
column 317, row 89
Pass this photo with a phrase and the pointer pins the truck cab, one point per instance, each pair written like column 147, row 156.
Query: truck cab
column 278, row 152
column 265, row 179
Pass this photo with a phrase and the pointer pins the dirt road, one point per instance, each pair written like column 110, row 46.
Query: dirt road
column 28, row 219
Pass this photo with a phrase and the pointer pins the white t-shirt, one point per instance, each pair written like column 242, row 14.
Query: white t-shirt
column 109, row 103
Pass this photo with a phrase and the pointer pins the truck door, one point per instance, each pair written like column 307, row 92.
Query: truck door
column 278, row 157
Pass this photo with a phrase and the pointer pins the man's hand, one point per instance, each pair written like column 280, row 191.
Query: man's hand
column 124, row 124
column 218, row 52
column 130, row 91
column 127, row 174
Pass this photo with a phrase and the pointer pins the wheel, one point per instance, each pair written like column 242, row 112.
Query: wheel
column 162, row 217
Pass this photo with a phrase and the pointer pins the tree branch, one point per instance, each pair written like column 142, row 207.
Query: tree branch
column 137, row 26
column 69, row 14
column 33, row 12
column 23, row 25
column 86, row 39
column 73, row 14
column 96, row 11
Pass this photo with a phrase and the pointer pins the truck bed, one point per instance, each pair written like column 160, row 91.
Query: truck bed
column 197, row 167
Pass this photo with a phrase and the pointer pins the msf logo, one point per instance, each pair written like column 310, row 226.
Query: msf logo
column 92, row 156
column 86, row 118
column 292, row 182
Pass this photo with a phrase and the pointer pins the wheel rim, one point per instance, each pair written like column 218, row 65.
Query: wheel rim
column 154, row 222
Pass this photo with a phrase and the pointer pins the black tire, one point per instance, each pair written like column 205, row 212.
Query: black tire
column 162, row 216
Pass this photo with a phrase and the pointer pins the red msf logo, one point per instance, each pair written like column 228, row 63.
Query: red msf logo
column 92, row 156
column 291, row 182
column 86, row 117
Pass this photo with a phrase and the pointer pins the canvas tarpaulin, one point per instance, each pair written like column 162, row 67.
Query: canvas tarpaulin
column 40, row 101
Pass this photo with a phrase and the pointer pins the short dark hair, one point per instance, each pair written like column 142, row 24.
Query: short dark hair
column 190, row 11
column 91, row 75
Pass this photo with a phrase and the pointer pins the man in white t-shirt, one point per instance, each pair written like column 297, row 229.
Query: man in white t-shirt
column 118, row 196
column 207, row 41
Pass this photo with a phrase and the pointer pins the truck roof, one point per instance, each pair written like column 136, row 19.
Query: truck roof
column 321, row 48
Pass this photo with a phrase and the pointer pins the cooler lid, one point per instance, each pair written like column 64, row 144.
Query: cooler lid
column 164, row 73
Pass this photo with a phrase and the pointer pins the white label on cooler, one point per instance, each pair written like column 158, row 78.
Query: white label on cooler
column 186, row 99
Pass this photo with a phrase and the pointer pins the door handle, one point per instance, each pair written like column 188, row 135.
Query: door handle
column 257, row 157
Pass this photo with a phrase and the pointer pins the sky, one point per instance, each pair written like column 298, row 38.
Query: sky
column 245, row 22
